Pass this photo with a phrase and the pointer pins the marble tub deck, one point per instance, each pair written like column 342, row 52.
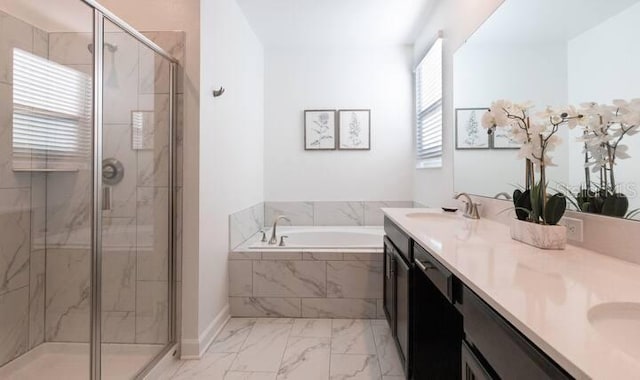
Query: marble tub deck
column 296, row 348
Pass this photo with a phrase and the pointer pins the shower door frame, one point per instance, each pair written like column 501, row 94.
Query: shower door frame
column 100, row 14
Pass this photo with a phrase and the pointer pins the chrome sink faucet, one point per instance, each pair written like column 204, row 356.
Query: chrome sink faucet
column 471, row 209
column 504, row 195
column 274, row 238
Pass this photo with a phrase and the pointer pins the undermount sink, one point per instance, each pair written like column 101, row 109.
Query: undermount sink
column 619, row 323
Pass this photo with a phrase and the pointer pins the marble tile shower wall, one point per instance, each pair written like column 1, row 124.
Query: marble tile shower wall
column 245, row 223
column 22, row 212
column 135, row 229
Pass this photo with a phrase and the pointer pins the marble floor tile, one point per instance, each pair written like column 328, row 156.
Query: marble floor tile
column 390, row 364
column 311, row 328
column 296, row 348
column 213, row 365
column 354, row 367
column 306, row 359
column 276, row 321
column 233, row 335
column 263, row 349
column 352, row 336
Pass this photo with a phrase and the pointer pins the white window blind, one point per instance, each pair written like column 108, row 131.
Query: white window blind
column 52, row 107
column 428, row 78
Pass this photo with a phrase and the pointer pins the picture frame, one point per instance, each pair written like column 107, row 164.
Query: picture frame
column 354, row 129
column 500, row 140
column 320, row 130
column 469, row 132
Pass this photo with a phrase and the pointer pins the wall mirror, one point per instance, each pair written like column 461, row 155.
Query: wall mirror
column 553, row 53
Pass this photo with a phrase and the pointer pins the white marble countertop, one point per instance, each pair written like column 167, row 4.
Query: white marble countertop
column 546, row 295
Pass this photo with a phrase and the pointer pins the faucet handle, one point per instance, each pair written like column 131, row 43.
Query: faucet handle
column 264, row 236
column 282, row 240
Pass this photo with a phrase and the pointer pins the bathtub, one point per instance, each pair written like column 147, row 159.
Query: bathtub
column 309, row 238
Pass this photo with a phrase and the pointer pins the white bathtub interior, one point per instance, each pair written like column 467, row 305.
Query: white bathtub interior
column 335, row 237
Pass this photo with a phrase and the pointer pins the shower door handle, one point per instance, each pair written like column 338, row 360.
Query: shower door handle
column 106, row 198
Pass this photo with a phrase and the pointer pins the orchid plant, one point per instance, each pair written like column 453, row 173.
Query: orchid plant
column 537, row 136
column 604, row 127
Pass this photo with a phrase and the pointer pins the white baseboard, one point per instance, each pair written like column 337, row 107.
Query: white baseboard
column 195, row 348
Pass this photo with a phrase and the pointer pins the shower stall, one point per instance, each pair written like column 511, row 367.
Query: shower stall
column 89, row 182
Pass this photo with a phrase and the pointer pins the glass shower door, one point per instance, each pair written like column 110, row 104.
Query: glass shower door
column 136, row 203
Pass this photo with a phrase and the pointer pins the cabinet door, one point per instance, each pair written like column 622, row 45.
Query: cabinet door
column 402, row 308
column 472, row 369
column 389, row 302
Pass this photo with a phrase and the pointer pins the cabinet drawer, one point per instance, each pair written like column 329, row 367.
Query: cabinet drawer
column 472, row 368
column 510, row 354
column 436, row 272
column 399, row 238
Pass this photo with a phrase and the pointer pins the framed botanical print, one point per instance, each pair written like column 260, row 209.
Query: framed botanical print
column 501, row 140
column 355, row 129
column 319, row 129
column 469, row 132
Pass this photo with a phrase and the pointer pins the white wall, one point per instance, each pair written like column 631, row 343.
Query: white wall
column 597, row 73
column 333, row 78
column 486, row 72
column 231, row 145
column 457, row 19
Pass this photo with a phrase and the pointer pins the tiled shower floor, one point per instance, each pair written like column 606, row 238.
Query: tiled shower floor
column 70, row 361
column 304, row 349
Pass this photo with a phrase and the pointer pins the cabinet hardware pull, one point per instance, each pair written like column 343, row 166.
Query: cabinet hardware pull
column 423, row 267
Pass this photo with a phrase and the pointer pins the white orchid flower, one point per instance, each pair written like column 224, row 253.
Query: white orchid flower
column 488, row 120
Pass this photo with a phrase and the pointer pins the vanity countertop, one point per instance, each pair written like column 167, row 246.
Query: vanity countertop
column 547, row 295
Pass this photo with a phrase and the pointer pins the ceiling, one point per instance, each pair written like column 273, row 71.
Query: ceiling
column 336, row 22
column 519, row 21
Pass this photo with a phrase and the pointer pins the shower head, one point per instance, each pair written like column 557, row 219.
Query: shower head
column 112, row 79
column 111, row 47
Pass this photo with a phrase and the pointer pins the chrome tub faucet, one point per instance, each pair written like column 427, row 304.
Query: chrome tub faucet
column 274, row 238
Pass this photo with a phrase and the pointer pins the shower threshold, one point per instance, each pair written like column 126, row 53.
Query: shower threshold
column 70, row 361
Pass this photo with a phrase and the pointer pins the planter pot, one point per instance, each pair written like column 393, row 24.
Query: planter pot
column 539, row 235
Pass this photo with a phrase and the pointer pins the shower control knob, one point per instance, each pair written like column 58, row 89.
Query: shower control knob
column 112, row 171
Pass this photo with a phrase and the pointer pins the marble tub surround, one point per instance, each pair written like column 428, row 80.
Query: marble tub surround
column 309, row 284
column 245, row 223
column 547, row 295
column 288, row 348
column 322, row 213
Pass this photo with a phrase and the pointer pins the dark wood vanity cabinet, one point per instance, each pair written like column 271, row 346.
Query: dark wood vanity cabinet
column 443, row 330
column 397, row 289
column 389, row 285
column 472, row 368
column 494, row 349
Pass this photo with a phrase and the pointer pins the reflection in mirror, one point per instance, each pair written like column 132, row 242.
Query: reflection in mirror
column 554, row 54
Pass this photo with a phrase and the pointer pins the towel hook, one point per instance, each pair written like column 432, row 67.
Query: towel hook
column 218, row 92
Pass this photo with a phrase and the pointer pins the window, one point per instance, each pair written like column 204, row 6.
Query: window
column 52, row 108
column 428, row 78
